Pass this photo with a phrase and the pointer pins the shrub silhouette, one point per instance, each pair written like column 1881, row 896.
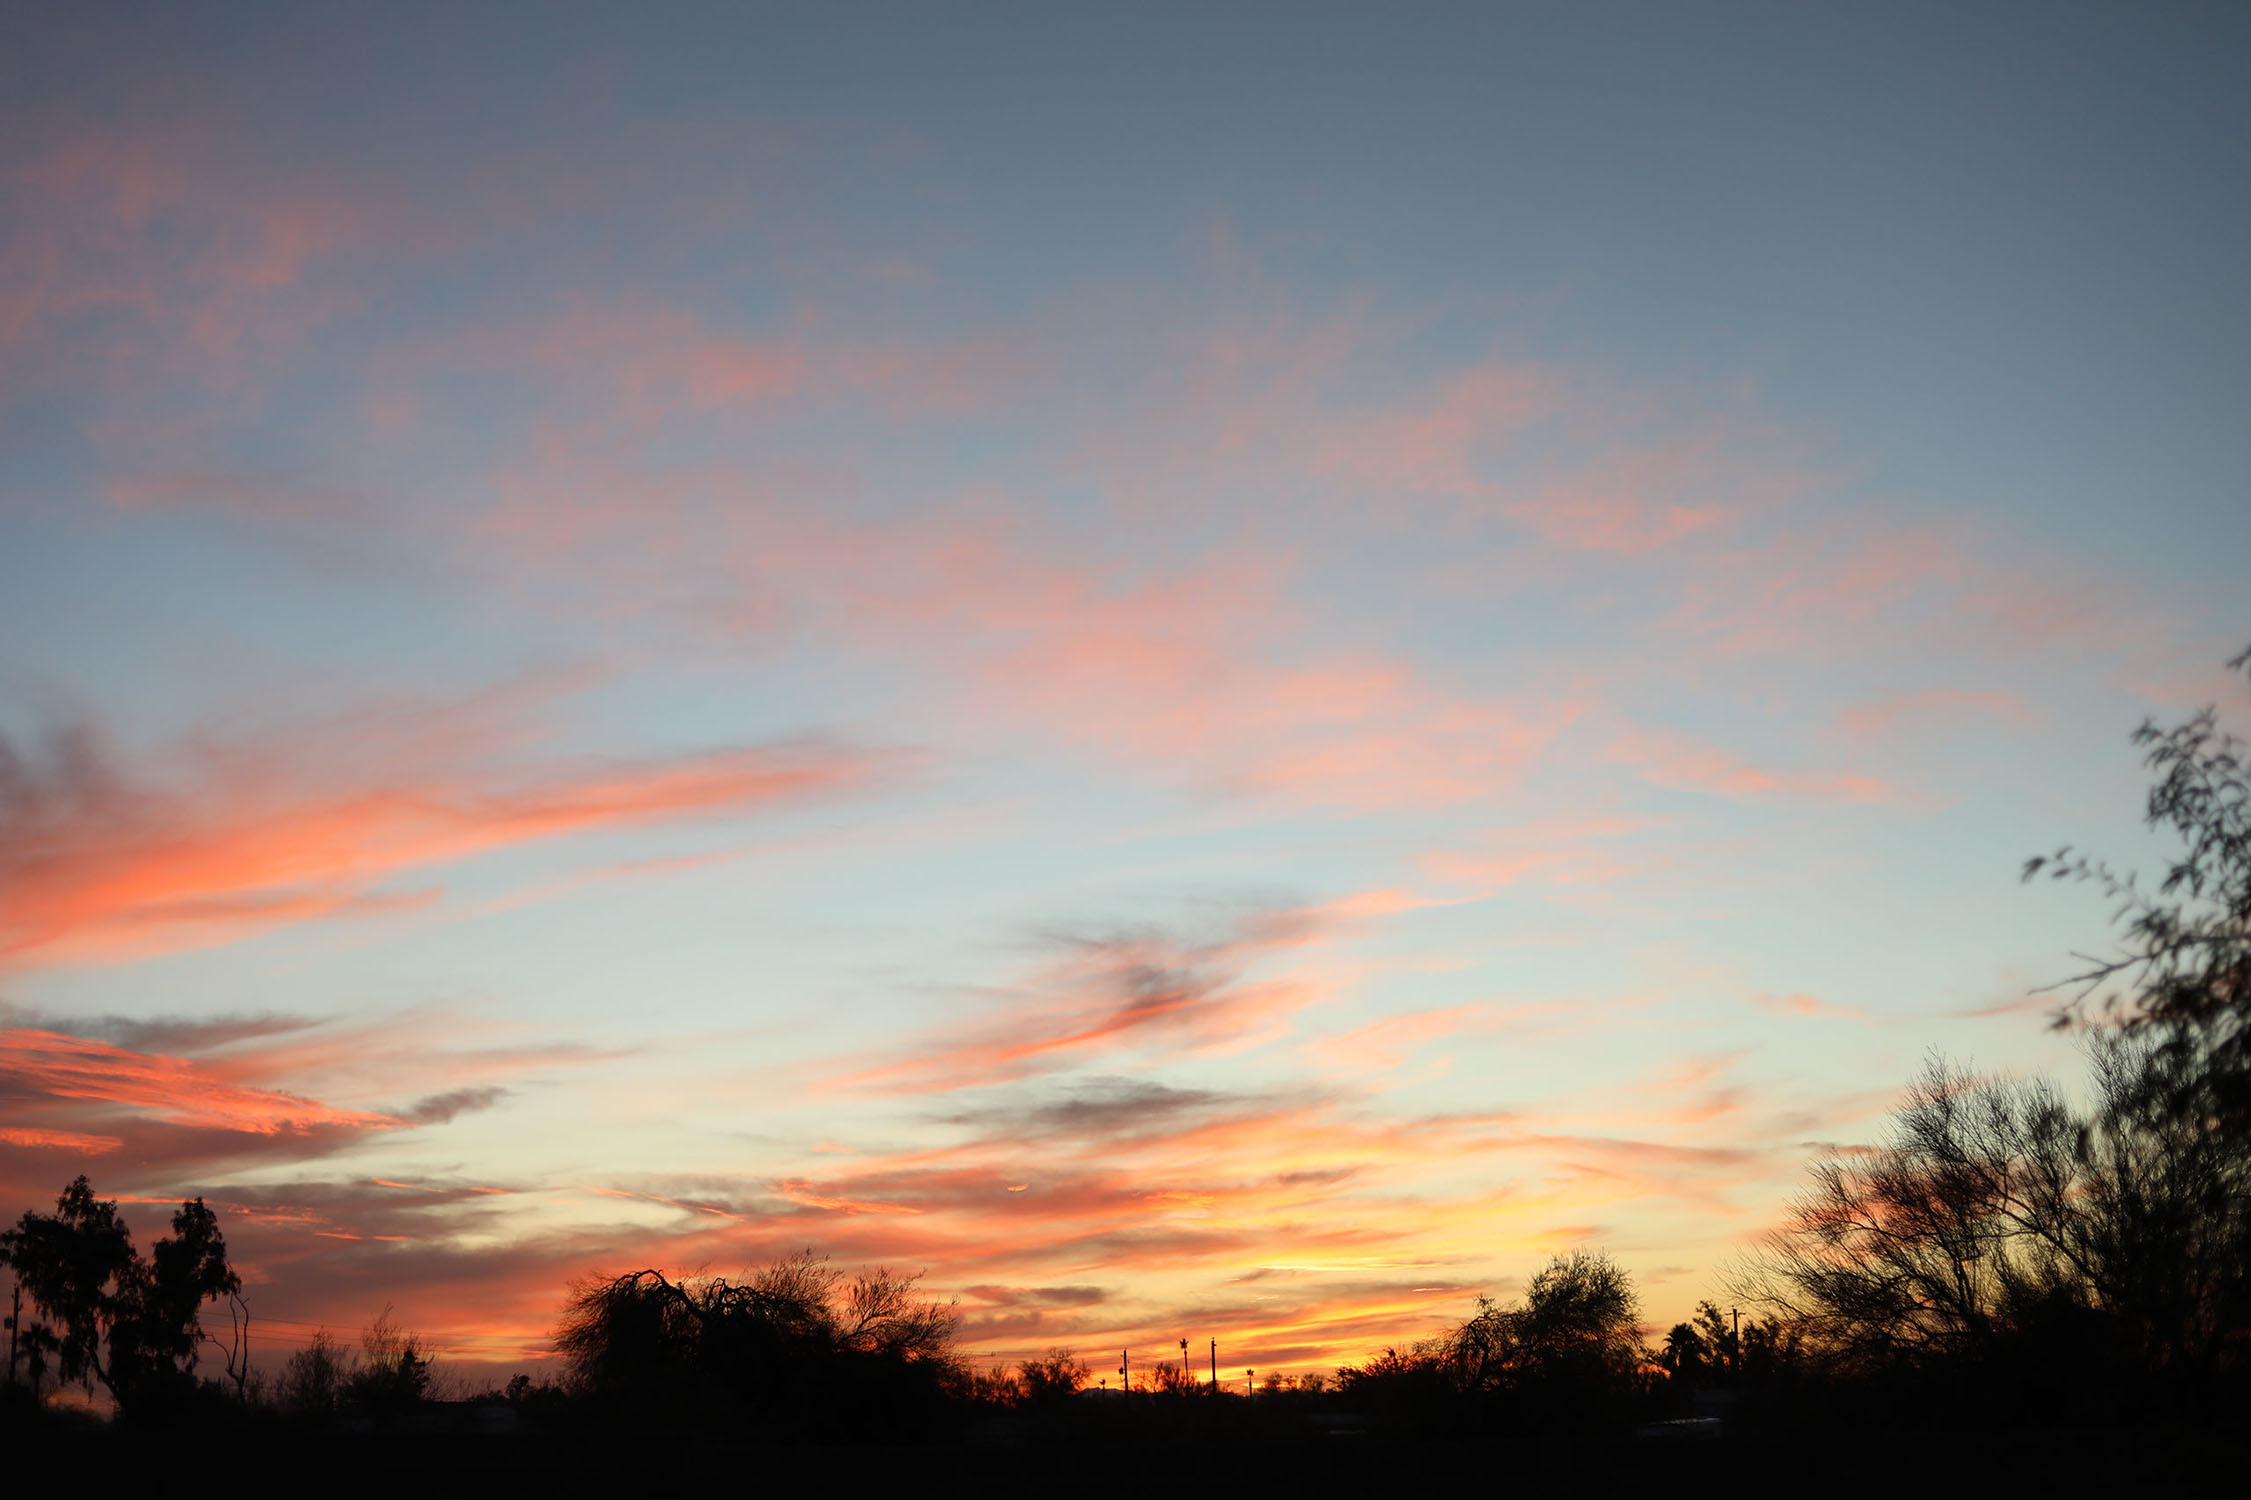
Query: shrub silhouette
column 393, row 1371
column 865, row 1359
column 313, row 1381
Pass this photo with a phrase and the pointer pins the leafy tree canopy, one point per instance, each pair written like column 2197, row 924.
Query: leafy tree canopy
column 133, row 1325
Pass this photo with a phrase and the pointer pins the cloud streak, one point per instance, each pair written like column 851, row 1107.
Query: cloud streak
column 179, row 1092
column 1125, row 992
column 97, row 862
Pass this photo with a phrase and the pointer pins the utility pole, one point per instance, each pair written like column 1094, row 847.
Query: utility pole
column 1125, row 1369
column 1736, row 1313
column 1248, row 1388
column 1186, row 1379
column 1215, row 1366
column 15, row 1316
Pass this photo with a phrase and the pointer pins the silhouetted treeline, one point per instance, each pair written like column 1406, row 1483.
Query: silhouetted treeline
column 2008, row 1257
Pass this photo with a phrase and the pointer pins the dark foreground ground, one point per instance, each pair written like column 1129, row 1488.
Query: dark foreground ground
column 2134, row 1463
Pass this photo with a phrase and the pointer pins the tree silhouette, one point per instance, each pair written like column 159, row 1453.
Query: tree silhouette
column 393, row 1370
column 793, row 1338
column 133, row 1325
column 312, row 1382
column 160, row 1337
column 1721, row 1345
column 1684, row 1354
column 1054, row 1375
column 1996, row 1220
column 1914, row 1252
column 2183, row 962
column 2079, row 1249
column 77, row 1267
column 1577, row 1326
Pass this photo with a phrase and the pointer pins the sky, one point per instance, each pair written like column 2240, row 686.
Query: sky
column 1213, row 672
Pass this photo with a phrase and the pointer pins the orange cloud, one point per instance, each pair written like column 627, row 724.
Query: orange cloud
column 94, row 865
column 437, row 1067
column 1388, row 1043
column 33, row 1138
column 1299, row 1230
column 57, row 1066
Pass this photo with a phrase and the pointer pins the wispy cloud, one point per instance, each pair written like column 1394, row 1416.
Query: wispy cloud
column 1672, row 759
column 242, row 1097
column 1119, row 992
column 1807, row 1005
column 100, row 862
column 51, row 1065
column 1930, row 709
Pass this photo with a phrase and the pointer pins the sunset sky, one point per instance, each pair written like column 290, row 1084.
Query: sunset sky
column 1216, row 671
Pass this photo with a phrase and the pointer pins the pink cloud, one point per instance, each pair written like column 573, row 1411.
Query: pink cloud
column 1582, row 466
column 1559, row 853
column 1191, row 668
column 629, row 367
column 1933, row 708
column 1434, row 445
column 1196, row 670
column 1671, row 759
column 1816, row 589
column 1388, row 1043
column 255, row 497
column 638, row 362
column 133, row 249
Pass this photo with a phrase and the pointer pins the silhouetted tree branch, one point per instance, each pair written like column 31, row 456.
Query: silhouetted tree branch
column 2183, row 962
